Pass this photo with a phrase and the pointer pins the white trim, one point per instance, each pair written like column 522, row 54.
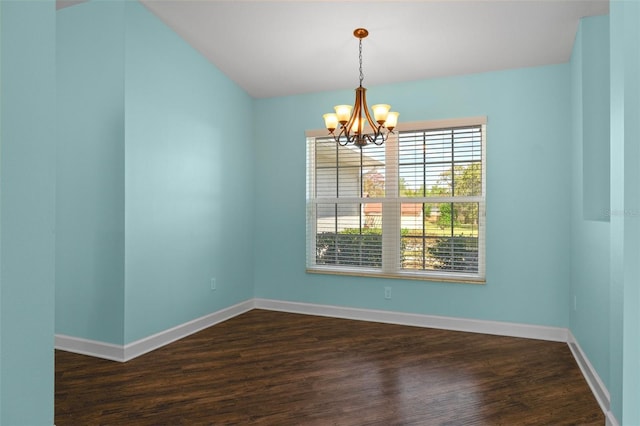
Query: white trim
column 392, row 220
column 590, row 374
column 155, row 341
column 132, row 350
column 440, row 124
column 139, row 347
column 89, row 347
column 482, row 210
column 554, row 334
column 317, row 133
column 416, row 125
column 610, row 419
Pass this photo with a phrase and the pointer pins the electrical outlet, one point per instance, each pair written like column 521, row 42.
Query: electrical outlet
column 387, row 293
column 213, row 284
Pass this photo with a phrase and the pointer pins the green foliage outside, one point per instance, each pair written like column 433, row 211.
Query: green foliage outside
column 363, row 248
column 353, row 247
column 459, row 254
column 466, row 182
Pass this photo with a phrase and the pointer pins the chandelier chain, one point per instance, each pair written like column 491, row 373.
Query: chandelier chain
column 360, row 58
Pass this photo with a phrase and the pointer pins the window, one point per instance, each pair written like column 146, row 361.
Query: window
column 411, row 208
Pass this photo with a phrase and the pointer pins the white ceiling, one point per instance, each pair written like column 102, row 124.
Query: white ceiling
column 278, row 48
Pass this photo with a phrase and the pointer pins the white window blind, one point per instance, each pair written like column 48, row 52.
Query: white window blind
column 412, row 208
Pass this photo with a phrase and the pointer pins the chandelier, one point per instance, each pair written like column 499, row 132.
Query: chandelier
column 352, row 119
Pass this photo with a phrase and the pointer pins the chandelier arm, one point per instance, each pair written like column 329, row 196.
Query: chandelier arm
column 342, row 138
column 342, row 142
column 373, row 138
column 374, row 126
column 378, row 137
column 348, row 127
column 381, row 137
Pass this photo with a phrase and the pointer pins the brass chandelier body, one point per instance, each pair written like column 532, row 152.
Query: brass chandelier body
column 352, row 120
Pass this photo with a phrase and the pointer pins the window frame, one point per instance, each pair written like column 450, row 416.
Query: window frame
column 391, row 241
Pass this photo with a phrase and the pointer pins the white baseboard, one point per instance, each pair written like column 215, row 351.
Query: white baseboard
column 93, row 348
column 135, row 349
column 610, row 419
column 555, row 334
column 147, row 344
column 132, row 350
column 600, row 391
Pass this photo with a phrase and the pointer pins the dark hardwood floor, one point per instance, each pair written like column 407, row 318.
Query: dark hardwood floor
column 272, row 368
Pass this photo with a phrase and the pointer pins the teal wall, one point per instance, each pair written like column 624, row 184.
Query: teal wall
column 90, row 172
column 625, row 208
column 27, row 188
column 188, row 182
column 595, row 111
column 605, row 275
column 528, row 198
column 154, row 176
column 165, row 178
column 589, row 301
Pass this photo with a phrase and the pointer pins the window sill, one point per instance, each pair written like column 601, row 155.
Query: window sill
column 433, row 277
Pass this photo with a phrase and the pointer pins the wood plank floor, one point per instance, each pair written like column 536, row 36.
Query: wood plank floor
column 273, row 368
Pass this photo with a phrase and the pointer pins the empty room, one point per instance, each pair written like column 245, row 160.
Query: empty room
column 320, row 212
